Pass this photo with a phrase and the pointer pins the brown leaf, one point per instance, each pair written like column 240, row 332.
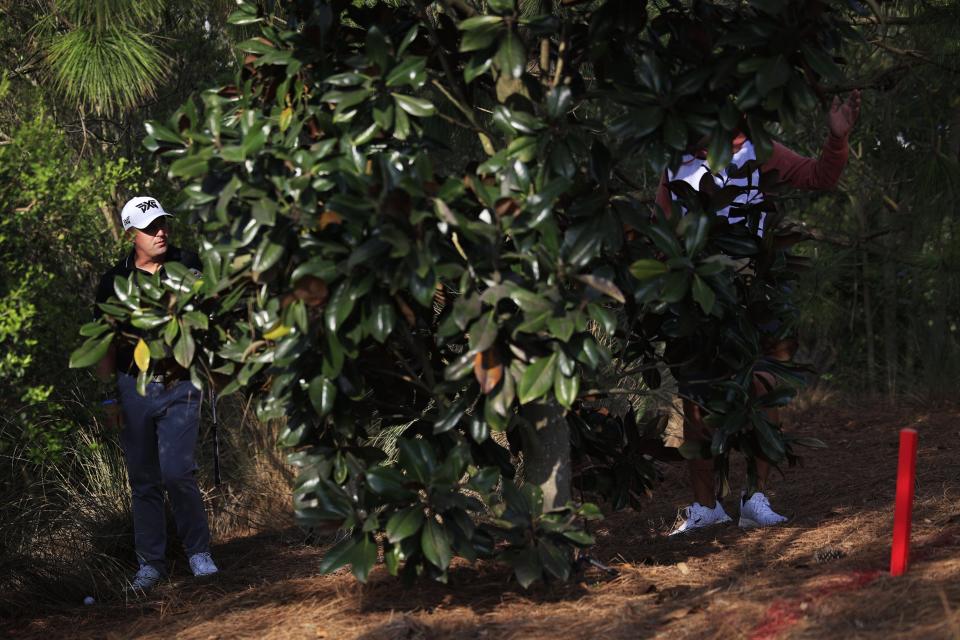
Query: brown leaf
column 406, row 311
column 488, row 370
column 329, row 217
column 312, row 290
column 603, row 286
column 314, row 130
column 506, row 207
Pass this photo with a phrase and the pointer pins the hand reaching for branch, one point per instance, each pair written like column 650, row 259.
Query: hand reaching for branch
column 843, row 115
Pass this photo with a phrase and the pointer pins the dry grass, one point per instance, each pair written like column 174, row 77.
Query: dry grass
column 721, row 583
column 255, row 494
column 66, row 528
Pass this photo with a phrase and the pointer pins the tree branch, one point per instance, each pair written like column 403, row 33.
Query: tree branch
column 461, row 100
column 460, row 6
column 910, row 53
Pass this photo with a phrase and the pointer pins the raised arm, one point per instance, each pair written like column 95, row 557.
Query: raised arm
column 823, row 173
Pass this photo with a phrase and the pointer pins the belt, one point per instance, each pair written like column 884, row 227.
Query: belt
column 166, row 379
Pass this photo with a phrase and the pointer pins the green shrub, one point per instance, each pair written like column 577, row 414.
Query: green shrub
column 360, row 272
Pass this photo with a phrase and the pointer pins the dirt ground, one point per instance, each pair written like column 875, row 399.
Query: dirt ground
column 720, row 583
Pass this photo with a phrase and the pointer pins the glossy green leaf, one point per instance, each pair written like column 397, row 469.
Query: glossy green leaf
column 560, row 327
column 362, row 557
column 647, row 269
column 339, row 307
column 566, row 389
column 404, row 523
column 185, row 348
column 719, row 150
column 416, row 459
column 675, row 132
column 268, row 254
column 387, row 482
column 382, row 318
column 91, row 351
column 411, row 71
column 675, row 286
column 483, row 332
column 414, row 106
column 554, row 560
column 703, row 294
column 322, row 394
column 537, row 379
column 526, row 567
column 477, row 66
column 580, row 538
column 337, row 556
column 435, row 544
column 511, row 57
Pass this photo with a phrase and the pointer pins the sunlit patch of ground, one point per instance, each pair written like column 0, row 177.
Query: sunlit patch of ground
column 720, row 583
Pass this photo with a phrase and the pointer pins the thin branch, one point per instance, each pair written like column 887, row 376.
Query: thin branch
column 883, row 81
column 822, row 236
column 460, row 106
column 560, row 51
column 451, row 120
column 461, row 6
column 461, row 100
column 894, row 20
column 910, row 53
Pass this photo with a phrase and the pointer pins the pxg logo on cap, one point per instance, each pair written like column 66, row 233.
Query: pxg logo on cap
column 139, row 212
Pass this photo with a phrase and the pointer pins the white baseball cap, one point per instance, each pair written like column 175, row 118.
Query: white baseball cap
column 139, row 212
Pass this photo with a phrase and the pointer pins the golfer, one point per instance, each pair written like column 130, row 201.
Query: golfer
column 158, row 430
column 816, row 174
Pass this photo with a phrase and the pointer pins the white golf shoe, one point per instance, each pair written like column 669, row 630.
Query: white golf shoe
column 202, row 565
column 147, row 578
column 698, row 516
column 756, row 512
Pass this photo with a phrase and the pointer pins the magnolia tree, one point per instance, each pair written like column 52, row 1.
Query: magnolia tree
column 422, row 220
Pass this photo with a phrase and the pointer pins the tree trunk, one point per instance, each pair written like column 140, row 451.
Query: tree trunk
column 867, row 306
column 891, row 359
column 112, row 223
column 548, row 464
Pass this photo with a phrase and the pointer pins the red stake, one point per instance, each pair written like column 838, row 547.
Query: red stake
column 906, row 473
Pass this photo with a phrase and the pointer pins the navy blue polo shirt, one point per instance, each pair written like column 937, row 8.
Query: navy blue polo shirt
column 123, row 269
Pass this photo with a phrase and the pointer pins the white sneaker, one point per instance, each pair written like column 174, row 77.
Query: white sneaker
column 147, row 578
column 202, row 565
column 756, row 512
column 698, row 516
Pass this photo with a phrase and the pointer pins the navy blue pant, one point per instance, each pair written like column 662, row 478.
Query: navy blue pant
column 158, row 439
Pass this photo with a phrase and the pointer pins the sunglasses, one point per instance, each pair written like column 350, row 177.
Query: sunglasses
column 154, row 227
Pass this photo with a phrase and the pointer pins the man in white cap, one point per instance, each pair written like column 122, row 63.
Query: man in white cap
column 159, row 430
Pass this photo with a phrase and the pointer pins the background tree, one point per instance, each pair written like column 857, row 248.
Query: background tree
column 82, row 78
column 68, row 161
column 878, row 306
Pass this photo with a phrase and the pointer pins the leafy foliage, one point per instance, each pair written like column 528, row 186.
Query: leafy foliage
column 48, row 244
column 414, row 215
column 104, row 58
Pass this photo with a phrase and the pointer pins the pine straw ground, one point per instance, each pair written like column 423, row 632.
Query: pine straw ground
column 721, row 583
